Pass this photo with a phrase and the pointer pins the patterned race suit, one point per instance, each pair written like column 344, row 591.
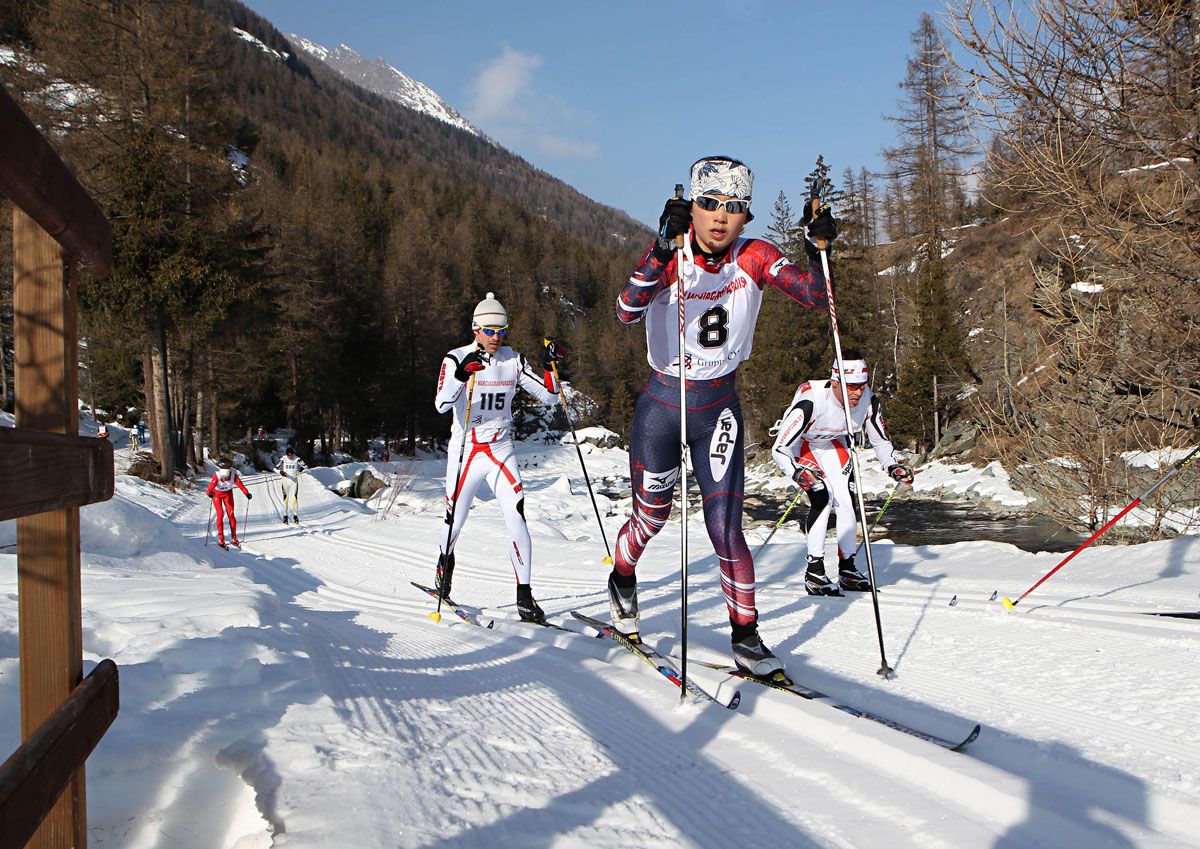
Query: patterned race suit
column 221, row 490
column 723, row 294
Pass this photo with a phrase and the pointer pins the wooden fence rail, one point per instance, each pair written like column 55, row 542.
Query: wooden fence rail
column 34, row 776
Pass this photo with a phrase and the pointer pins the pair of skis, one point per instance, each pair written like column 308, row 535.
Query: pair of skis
column 665, row 667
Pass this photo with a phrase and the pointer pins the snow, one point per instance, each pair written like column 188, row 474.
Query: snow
column 295, row 693
column 1088, row 288
column 1178, row 160
column 250, row 39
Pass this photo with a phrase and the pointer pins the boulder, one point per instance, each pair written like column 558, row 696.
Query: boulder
column 365, row 484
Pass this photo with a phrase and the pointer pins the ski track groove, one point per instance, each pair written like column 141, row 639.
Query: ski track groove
column 393, row 722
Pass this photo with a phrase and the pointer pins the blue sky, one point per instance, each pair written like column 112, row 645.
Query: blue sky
column 617, row 97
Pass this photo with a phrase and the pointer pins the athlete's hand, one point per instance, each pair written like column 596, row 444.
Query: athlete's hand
column 900, row 474
column 472, row 363
column 819, row 226
column 675, row 220
column 809, row 477
column 249, row 497
column 212, row 495
column 553, row 352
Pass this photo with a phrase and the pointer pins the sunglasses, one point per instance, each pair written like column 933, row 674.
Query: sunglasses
column 494, row 331
column 711, row 204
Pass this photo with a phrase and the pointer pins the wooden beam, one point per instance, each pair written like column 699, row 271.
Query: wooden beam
column 34, row 178
column 48, row 471
column 50, row 618
column 36, row 773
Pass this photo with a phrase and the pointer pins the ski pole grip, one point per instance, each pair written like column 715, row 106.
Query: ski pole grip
column 821, row 244
column 679, row 194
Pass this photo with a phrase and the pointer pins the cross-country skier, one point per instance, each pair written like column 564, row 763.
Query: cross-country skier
column 290, row 468
column 496, row 371
column 220, row 490
column 725, row 277
column 811, row 448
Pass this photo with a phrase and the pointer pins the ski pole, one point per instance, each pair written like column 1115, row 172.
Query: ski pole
column 566, row 409
column 436, row 616
column 778, row 524
column 1179, row 467
column 208, row 532
column 884, row 670
column 680, row 260
column 246, row 518
column 882, row 510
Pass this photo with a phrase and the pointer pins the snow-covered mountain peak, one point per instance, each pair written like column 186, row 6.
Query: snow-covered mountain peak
column 385, row 80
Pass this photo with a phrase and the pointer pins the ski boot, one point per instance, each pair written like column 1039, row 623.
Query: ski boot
column 295, row 520
column 850, row 579
column 751, row 655
column 285, row 521
column 815, row 582
column 622, row 602
column 445, row 574
column 237, row 543
column 529, row 609
column 224, row 545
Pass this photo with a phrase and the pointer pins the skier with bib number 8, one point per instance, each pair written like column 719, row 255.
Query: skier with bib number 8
column 724, row 279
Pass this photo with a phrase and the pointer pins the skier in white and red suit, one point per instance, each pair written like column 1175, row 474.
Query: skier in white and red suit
column 725, row 277
column 220, row 490
column 488, row 453
column 811, row 448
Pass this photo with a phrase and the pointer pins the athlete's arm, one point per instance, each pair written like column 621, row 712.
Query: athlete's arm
column 650, row 277
column 769, row 267
column 449, row 386
column 544, row 389
column 795, row 424
column 874, row 428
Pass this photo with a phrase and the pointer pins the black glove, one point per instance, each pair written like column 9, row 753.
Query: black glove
column 900, row 474
column 471, row 363
column 552, row 353
column 249, row 497
column 212, row 495
column 674, row 221
column 819, row 227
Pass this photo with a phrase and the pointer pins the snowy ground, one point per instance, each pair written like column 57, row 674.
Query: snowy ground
column 294, row 694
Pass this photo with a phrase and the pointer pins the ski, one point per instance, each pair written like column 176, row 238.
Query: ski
column 660, row 663
column 454, row 606
column 467, row 616
column 779, row 681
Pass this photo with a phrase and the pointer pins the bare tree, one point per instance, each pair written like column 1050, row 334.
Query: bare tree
column 1095, row 110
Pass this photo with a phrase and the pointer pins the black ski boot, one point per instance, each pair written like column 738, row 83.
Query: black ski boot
column 285, row 520
column 529, row 609
column 445, row 574
column 751, row 655
column 815, row 581
column 850, row 579
column 295, row 520
column 622, row 602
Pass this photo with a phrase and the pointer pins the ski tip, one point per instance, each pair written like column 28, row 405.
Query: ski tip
column 1010, row 605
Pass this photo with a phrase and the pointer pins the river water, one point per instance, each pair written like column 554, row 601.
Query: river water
column 914, row 521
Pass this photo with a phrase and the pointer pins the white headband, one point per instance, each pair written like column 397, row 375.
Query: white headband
column 720, row 176
column 854, row 370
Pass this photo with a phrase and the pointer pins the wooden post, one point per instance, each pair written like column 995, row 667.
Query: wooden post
column 48, row 589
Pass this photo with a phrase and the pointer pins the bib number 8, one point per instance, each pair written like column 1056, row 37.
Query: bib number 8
column 714, row 328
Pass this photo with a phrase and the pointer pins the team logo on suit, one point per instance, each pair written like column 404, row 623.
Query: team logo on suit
column 720, row 450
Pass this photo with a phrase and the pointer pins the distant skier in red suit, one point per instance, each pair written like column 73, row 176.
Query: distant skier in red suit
column 220, row 490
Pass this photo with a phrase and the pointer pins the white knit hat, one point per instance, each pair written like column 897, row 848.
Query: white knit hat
column 490, row 313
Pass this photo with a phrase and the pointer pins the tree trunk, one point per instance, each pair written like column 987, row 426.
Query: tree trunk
column 159, row 388
column 213, row 444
